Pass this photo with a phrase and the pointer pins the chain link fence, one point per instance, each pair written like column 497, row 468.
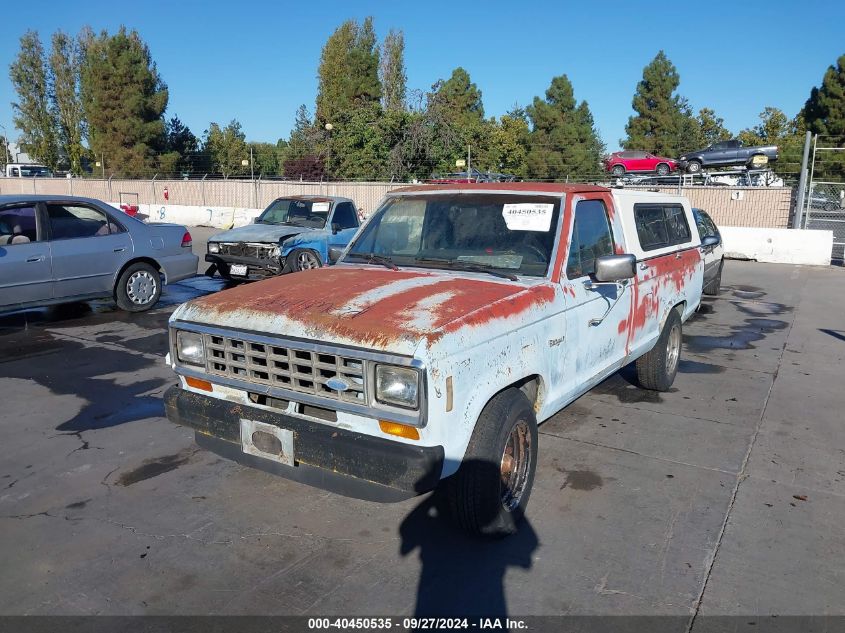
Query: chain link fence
column 826, row 210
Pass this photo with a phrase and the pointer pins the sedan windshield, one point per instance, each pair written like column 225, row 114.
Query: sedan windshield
column 507, row 234
column 307, row 213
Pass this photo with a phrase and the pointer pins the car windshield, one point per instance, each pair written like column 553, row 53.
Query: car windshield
column 306, row 213
column 504, row 233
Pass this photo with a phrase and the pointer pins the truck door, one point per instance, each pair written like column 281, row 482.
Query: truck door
column 596, row 315
column 344, row 224
column 25, row 274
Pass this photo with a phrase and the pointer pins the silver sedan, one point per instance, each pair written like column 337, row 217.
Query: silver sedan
column 57, row 249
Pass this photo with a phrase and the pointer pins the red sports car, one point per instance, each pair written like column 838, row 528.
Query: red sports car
column 620, row 163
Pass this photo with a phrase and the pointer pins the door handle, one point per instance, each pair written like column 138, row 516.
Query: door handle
column 120, row 250
column 32, row 260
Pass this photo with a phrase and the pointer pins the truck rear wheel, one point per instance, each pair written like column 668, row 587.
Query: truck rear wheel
column 490, row 491
column 657, row 369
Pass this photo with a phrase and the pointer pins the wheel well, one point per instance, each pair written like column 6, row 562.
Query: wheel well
column 532, row 387
column 146, row 260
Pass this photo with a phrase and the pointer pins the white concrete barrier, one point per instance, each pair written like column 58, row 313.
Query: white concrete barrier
column 778, row 246
column 216, row 217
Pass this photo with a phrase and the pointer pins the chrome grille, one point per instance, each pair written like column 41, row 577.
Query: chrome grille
column 285, row 367
column 243, row 249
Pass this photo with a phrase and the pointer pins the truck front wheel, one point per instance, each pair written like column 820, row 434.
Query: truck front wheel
column 490, row 491
column 694, row 166
column 657, row 369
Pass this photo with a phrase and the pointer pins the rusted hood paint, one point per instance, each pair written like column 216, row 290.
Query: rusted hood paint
column 375, row 308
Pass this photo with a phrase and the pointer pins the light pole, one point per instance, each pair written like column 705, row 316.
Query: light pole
column 329, row 128
column 7, row 154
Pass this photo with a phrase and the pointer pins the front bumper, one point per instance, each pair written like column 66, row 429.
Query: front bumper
column 256, row 268
column 327, row 457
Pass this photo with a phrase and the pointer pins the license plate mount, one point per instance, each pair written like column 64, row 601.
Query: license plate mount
column 267, row 441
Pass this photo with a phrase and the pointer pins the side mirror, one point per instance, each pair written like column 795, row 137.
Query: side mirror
column 336, row 228
column 613, row 268
column 710, row 240
column 334, row 254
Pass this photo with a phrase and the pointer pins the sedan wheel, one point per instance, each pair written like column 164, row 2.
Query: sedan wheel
column 663, row 169
column 618, row 170
column 138, row 288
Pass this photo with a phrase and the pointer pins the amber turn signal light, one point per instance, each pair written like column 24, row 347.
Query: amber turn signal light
column 196, row 383
column 400, row 430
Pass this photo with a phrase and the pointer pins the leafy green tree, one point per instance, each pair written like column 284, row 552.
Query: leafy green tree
column 64, row 66
column 663, row 123
column 305, row 135
column 226, row 148
column 359, row 146
column 564, row 141
column 348, row 71
column 775, row 128
column 33, row 115
column 124, row 100
column 268, row 158
column 711, row 128
column 824, row 111
column 392, row 71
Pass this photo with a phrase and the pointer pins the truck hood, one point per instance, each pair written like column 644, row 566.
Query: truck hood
column 271, row 233
column 366, row 307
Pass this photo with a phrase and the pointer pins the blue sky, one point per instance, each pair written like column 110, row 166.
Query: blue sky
column 258, row 61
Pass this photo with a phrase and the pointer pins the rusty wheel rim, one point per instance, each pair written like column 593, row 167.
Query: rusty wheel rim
column 515, row 465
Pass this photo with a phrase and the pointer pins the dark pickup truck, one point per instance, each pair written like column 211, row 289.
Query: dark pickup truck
column 728, row 153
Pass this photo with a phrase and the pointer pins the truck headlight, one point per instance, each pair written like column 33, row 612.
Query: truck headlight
column 213, row 247
column 190, row 348
column 399, row 386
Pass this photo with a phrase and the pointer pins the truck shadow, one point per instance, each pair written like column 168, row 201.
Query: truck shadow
column 461, row 576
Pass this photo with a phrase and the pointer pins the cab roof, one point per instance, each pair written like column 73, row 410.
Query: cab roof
column 554, row 188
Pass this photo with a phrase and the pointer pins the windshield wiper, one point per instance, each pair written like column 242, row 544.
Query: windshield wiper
column 372, row 258
column 471, row 266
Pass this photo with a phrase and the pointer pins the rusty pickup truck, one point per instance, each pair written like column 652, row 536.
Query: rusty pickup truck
column 459, row 318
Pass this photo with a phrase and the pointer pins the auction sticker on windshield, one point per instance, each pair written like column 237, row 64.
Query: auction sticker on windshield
column 528, row 216
column 319, row 206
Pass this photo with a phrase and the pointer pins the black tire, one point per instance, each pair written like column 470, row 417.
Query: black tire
column 138, row 288
column 662, row 169
column 712, row 289
column 657, row 369
column 480, row 501
column 303, row 259
column 830, row 207
column 694, row 166
column 618, row 170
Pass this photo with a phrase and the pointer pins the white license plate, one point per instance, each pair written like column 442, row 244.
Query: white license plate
column 237, row 269
column 267, row 441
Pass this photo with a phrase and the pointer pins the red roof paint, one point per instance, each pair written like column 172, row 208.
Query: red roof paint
column 542, row 187
column 326, row 299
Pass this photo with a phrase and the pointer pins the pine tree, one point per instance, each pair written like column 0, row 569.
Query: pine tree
column 392, row 71
column 124, row 100
column 181, row 149
column 33, row 115
column 64, row 67
column 824, row 112
column 564, row 141
column 664, row 124
column 348, row 71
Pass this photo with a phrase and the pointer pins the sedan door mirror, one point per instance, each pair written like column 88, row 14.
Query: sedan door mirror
column 710, row 240
column 613, row 268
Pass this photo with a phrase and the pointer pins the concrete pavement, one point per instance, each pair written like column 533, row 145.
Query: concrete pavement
column 723, row 496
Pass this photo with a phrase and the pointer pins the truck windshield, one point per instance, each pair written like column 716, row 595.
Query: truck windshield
column 306, row 213
column 462, row 231
column 35, row 171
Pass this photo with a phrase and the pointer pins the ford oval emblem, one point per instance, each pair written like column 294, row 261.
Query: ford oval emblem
column 337, row 384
